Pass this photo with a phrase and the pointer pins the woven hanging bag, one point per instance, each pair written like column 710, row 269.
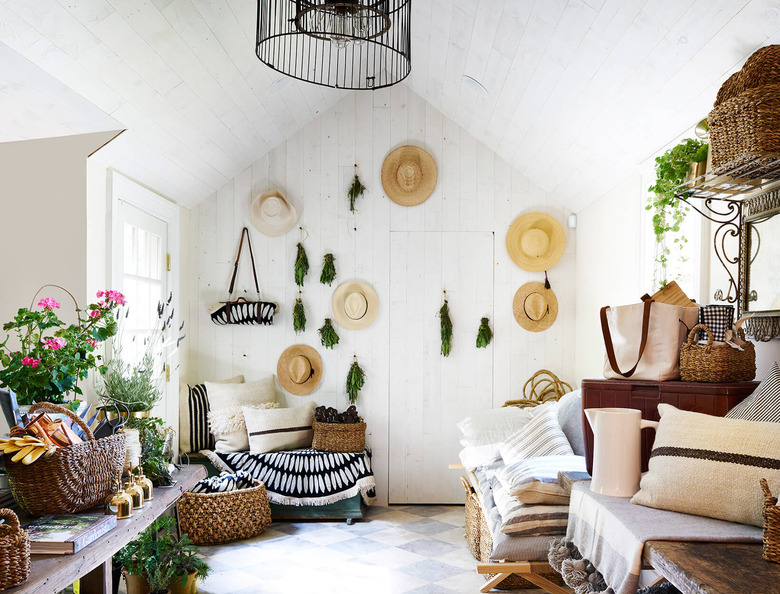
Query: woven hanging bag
column 716, row 364
column 14, row 551
column 771, row 525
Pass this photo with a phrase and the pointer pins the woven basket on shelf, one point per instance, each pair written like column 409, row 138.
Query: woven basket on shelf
column 746, row 126
column 761, row 68
column 70, row 479
column 14, row 551
column 716, row 364
column 339, row 437
column 771, row 525
column 214, row 518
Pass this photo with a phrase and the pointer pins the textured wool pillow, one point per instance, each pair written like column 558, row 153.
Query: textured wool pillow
column 518, row 519
column 541, row 436
column 539, row 493
column 493, row 425
column 281, row 429
column 229, row 428
column 194, row 432
column 535, row 480
column 764, row 403
column 711, row 466
column 223, row 395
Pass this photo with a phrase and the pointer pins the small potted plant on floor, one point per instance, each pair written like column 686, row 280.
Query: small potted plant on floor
column 188, row 567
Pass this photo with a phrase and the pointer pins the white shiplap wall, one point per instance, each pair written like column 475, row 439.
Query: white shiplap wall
column 476, row 192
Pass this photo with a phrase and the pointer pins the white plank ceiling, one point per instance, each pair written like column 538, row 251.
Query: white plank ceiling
column 579, row 91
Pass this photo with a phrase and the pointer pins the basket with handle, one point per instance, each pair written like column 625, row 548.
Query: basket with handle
column 716, row 364
column 771, row 525
column 69, row 479
column 14, row 551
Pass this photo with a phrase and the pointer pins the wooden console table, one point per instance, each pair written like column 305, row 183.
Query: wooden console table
column 52, row 573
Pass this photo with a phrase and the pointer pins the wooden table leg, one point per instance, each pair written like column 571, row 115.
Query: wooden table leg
column 98, row 581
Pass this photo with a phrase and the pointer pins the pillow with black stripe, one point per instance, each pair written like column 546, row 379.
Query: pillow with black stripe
column 711, row 466
column 194, row 433
column 273, row 430
column 764, row 403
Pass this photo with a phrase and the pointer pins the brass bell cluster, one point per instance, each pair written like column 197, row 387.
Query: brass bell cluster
column 130, row 496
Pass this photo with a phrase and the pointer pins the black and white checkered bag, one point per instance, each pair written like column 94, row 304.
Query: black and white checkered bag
column 718, row 318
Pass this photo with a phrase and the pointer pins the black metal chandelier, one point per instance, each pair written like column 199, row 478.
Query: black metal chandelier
column 345, row 44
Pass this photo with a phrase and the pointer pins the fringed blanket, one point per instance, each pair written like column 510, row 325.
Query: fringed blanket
column 305, row 477
column 610, row 533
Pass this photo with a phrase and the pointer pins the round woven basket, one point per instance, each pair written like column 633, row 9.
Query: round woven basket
column 214, row 518
column 761, row 68
column 771, row 525
column 68, row 479
column 716, row 364
column 14, row 551
column 339, row 437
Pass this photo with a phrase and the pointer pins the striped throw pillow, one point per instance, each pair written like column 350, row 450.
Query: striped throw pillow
column 711, row 466
column 541, row 436
column 536, row 480
column 764, row 403
column 194, row 434
column 519, row 519
column 279, row 429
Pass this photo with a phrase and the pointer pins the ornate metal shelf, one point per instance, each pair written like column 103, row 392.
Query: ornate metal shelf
column 734, row 181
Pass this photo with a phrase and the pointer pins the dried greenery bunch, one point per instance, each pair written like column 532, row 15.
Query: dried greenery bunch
column 484, row 334
column 328, row 335
column 328, row 274
column 356, row 379
column 355, row 190
column 299, row 316
column 446, row 329
column 301, row 265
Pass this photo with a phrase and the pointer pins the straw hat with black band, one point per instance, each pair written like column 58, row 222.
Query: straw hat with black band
column 535, row 241
column 272, row 214
column 535, row 307
column 299, row 369
column 355, row 305
column 409, row 175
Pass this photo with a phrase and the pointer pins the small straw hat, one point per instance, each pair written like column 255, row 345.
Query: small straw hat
column 355, row 305
column 535, row 307
column 535, row 241
column 271, row 214
column 299, row 369
column 409, row 175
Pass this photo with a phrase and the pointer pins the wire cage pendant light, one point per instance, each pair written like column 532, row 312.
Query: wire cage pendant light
column 344, row 44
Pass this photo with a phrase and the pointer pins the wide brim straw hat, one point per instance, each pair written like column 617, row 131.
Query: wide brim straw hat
column 535, row 241
column 409, row 175
column 299, row 369
column 535, row 307
column 272, row 214
column 355, row 305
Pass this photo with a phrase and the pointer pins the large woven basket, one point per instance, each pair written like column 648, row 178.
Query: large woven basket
column 339, row 437
column 716, row 364
column 761, row 68
column 14, row 551
column 771, row 525
column 473, row 513
column 69, row 479
column 214, row 518
column 746, row 126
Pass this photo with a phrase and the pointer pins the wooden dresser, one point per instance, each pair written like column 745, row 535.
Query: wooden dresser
column 711, row 399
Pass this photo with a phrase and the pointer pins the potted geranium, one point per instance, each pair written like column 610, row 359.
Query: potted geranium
column 48, row 357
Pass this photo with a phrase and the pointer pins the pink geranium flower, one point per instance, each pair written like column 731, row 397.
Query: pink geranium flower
column 48, row 303
column 53, row 343
column 115, row 297
column 31, row 362
column 94, row 314
column 92, row 342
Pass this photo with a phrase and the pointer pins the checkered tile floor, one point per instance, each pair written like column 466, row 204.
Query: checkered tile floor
column 399, row 549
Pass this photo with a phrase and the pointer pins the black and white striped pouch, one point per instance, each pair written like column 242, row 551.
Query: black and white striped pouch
column 224, row 482
column 718, row 318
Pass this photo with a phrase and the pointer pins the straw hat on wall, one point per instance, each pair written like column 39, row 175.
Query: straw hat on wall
column 271, row 214
column 355, row 305
column 535, row 307
column 299, row 369
column 409, row 175
column 535, row 241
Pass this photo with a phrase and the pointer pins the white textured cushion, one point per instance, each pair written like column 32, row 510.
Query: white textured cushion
column 474, row 456
column 541, row 436
column 764, row 403
column 493, row 425
column 224, row 395
column 281, row 429
column 711, row 466
column 229, row 429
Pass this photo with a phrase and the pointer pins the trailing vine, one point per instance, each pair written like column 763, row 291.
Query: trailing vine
column 446, row 329
column 355, row 190
column 328, row 335
column 299, row 316
column 301, row 265
column 328, row 274
column 484, row 334
column 356, row 379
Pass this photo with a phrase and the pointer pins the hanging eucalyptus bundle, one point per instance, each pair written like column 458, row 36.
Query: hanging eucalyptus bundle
column 446, row 329
column 299, row 316
column 301, row 265
column 356, row 378
column 484, row 334
column 328, row 335
column 355, row 190
column 328, row 270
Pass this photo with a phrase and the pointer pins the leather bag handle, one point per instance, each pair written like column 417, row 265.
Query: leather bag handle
column 244, row 233
column 608, row 338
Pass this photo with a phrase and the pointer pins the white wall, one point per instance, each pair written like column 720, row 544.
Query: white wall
column 476, row 191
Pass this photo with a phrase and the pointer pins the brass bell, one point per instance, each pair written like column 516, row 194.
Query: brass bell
column 136, row 493
column 145, row 484
column 119, row 504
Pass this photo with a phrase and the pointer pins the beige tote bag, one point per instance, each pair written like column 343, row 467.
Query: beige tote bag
column 643, row 340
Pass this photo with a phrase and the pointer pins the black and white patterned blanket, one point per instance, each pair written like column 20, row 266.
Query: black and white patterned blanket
column 305, row 477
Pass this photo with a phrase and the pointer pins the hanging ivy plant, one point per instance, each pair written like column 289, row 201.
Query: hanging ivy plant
column 484, row 334
column 328, row 335
column 301, row 265
column 356, row 379
column 355, row 190
column 328, row 269
column 299, row 316
column 446, row 329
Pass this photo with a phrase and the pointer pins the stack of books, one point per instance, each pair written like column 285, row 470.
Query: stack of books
column 66, row 535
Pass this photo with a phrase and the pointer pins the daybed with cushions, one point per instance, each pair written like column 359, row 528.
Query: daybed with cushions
column 239, row 425
column 514, row 506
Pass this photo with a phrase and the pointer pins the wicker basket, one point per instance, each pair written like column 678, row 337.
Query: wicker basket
column 339, row 437
column 746, row 126
column 771, row 525
column 761, row 68
column 214, row 518
column 70, row 479
column 716, row 364
column 473, row 513
column 14, row 551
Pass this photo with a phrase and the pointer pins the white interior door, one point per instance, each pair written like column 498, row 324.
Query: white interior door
column 430, row 393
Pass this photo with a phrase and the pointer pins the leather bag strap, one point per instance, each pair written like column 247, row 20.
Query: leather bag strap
column 608, row 338
column 244, row 233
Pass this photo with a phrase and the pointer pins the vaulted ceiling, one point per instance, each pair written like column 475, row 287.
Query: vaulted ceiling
column 578, row 91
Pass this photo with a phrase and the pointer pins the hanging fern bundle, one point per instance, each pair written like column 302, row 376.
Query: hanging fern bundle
column 328, row 335
column 484, row 334
column 355, row 190
column 446, row 329
column 301, row 265
column 356, row 379
column 328, row 270
column 299, row 316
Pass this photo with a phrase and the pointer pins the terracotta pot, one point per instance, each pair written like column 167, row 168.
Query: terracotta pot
column 136, row 584
column 191, row 587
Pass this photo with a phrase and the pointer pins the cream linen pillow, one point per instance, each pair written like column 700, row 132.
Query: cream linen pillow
column 224, row 395
column 280, row 429
column 193, row 410
column 229, row 428
column 711, row 466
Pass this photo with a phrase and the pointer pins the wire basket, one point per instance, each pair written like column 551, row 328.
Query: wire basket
column 716, row 364
column 339, row 437
column 14, row 551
